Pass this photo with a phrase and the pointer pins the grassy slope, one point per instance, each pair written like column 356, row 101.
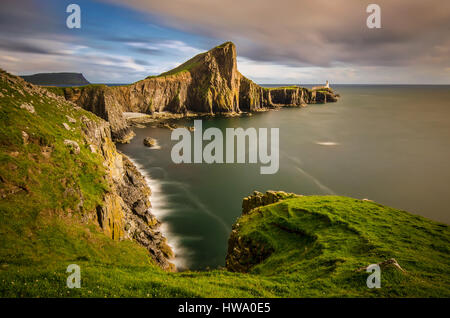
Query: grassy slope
column 320, row 241
column 329, row 237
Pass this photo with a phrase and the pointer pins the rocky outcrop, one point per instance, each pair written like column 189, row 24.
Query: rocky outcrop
column 258, row 199
column 102, row 101
column 125, row 211
column 149, row 142
column 209, row 83
column 244, row 253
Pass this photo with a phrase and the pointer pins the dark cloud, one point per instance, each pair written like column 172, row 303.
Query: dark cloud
column 25, row 47
column 148, row 51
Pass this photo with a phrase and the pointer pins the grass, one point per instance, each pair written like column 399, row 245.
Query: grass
column 188, row 65
column 185, row 67
column 317, row 242
column 282, row 87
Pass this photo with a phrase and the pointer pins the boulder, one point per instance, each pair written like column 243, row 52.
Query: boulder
column 149, row 142
column 73, row 146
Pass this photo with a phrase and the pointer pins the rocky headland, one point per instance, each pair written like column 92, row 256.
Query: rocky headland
column 69, row 197
column 207, row 84
column 59, row 79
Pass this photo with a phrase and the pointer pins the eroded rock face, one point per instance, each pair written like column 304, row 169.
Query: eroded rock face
column 258, row 199
column 209, row 83
column 125, row 211
column 102, row 101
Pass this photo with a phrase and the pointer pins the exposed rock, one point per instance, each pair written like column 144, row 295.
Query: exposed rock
column 387, row 263
column 167, row 125
column 71, row 120
column 25, row 137
column 73, row 146
column 150, row 142
column 244, row 253
column 28, row 107
column 130, row 194
column 209, row 83
column 100, row 100
column 66, row 126
column 258, row 199
column 110, row 216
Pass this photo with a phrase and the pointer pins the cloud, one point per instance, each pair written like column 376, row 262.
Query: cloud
column 288, row 41
column 320, row 33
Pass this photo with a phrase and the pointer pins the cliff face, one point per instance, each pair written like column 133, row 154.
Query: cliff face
column 125, row 212
column 64, row 160
column 209, row 83
column 102, row 101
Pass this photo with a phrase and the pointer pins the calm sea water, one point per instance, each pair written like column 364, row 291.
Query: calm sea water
column 390, row 144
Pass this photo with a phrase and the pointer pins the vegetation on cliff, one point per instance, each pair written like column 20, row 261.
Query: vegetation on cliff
column 65, row 190
column 317, row 246
column 67, row 196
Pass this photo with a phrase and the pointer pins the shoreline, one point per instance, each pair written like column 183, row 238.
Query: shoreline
column 155, row 198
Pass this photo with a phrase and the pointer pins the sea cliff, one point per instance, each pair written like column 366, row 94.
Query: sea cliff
column 69, row 153
column 209, row 83
column 69, row 197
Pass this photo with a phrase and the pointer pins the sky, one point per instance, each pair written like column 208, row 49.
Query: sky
column 283, row 41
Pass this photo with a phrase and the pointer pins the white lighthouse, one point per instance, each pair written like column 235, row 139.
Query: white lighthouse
column 327, row 85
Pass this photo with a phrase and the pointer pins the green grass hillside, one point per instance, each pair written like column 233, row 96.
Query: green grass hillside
column 316, row 243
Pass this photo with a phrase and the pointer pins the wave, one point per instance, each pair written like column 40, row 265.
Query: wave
column 327, row 143
column 159, row 209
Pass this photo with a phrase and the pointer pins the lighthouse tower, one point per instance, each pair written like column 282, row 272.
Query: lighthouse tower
column 327, row 85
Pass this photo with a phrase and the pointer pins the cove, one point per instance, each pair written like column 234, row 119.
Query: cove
column 377, row 142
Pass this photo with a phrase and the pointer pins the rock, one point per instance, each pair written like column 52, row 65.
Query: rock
column 167, row 125
column 209, row 83
column 73, row 146
column 70, row 119
column 244, row 253
column 258, row 199
column 25, row 137
column 389, row 262
column 150, row 142
column 66, row 126
column 28, row 107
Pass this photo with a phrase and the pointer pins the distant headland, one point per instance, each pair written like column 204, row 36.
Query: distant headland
column 56, row 79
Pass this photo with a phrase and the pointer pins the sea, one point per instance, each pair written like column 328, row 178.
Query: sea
column 386, row 143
